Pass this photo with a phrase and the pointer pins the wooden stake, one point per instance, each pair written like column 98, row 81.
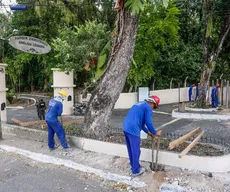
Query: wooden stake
column 191, row 145
column 182, row 139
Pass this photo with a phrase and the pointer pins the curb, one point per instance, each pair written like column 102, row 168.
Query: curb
column 219, row 164
column 181, row 115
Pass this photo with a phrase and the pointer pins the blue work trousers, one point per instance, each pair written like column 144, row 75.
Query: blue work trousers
column 56, row 127
column 215, row 101
column 134, row 151
column 190, row 97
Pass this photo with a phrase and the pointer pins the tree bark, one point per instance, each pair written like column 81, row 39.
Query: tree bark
column 210, row 59
column 111, row 84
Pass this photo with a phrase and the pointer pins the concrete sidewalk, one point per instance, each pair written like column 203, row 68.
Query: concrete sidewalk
column 115, row 170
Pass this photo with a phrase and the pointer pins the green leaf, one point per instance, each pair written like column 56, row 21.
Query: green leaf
column 135, row 6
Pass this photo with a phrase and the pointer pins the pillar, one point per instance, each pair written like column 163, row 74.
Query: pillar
column 3, row 90
column 63, row 81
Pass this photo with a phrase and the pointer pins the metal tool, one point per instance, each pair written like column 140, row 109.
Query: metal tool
column 157, row 152
column 158, row 146
column 153, row 146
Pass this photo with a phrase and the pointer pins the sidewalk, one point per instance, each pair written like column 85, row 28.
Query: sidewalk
column 115, row 170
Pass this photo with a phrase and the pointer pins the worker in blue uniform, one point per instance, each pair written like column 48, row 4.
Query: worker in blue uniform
column 139, row 118
column 190, row 92
column 55, row 109
column 214, row 96
column 197, row 91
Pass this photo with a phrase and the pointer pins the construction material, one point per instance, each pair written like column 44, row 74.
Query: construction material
column 40, row 122
column 16, row 121
column 191, row 145
column 182, row 139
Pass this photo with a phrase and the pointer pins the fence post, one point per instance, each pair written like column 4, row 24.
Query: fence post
column 227, row 90
column 185, row 81
column 222, row 92
column 171, row 83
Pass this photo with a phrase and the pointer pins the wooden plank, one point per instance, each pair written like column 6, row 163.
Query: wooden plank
column 16, row 121
column 76, row 121
column 191, row 145
column 182, row 139
column 39, row 122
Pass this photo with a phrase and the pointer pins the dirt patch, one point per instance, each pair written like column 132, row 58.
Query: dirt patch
column 199, row 150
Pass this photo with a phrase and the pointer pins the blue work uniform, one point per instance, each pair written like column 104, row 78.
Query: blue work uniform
column 138, row 118
column 190, row 93
column 54, row 126
column 214, row 97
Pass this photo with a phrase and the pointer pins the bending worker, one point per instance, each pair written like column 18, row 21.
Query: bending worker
column 139, row 118
column 214, row 96
column 54, row 126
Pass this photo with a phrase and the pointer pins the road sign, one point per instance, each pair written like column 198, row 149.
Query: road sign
column 29, row 44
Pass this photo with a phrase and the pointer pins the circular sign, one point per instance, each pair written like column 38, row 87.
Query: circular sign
column 29, row 44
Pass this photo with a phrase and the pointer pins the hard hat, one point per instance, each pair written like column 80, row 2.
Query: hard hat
column 154, row 99
column 62, row 93
column 217, row 85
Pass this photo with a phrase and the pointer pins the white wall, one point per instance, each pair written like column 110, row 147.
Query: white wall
column 126, row 100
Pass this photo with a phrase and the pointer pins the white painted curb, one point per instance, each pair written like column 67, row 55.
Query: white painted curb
column 209, row 164
column 15, row 107
column 68, row 163
column 177, row 114
column 203, row 110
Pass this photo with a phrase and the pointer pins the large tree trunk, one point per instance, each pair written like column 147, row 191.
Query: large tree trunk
column 210, row 59
column 107, row 92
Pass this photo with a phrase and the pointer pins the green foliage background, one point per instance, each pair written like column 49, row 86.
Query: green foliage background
column 168, row 43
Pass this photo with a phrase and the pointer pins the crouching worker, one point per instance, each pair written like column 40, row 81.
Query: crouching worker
column 55, row 109
column 139, row 118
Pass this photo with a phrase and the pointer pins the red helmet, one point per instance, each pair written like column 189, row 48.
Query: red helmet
column 217, row 85
column 154, row 99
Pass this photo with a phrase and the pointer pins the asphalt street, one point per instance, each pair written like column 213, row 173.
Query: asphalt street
column 21, row 174
column 162, row 119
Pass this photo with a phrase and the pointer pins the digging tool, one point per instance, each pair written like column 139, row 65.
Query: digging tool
column 158, row 147
column 153, row 146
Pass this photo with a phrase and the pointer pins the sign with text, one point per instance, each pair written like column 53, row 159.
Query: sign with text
column 29, row 44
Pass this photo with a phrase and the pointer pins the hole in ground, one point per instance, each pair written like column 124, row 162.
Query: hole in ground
column 157, row 167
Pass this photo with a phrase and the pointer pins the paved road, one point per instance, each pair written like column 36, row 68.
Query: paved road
column 161, row 118
column 19, row 174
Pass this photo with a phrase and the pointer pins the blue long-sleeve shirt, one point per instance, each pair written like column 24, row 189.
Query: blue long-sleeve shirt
column 139, row 118
column 55, row 109
column 190, row 90
column 214, row 92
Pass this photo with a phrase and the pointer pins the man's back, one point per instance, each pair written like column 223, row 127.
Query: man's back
column 54, row 110
column 137, row 117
